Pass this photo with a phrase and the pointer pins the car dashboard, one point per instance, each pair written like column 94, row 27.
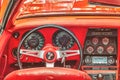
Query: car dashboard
column 99, row 37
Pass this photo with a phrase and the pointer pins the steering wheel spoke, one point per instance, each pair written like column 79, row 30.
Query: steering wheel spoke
column 49, row 64
column 69, row 53
column 33, row 53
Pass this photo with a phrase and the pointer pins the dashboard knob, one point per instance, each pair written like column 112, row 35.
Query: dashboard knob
column 88, row 60
column 111, row 60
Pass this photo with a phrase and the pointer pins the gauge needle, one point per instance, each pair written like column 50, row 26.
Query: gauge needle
column 65, row 40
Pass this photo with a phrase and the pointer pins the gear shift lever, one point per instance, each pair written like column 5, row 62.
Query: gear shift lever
column 100, row 77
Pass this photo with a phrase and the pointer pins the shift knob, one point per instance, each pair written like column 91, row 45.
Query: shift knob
column 100, row 77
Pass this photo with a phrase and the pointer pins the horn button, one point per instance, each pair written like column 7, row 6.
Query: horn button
column 50, row 54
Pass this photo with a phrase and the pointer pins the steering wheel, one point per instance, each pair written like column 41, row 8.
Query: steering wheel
column 50, row 53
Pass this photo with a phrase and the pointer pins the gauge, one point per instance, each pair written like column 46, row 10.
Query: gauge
column 90, row 49
column 110, row 49
column 100, row 49
column 95, row 40
column 14, row 52
column 34, row 41
column 63, row 40
column 105, row 41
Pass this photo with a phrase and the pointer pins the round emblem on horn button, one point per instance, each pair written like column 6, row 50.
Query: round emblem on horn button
column 50, row 56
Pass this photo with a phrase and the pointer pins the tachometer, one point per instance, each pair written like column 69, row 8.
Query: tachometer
column 63, row 40
column 34, row 41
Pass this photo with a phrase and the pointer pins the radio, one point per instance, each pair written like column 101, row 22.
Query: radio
column 99, row 60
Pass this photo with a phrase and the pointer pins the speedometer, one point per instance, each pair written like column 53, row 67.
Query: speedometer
column 63, row 40
column 34, row 41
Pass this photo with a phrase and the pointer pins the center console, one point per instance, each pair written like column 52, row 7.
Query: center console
column 100, row 54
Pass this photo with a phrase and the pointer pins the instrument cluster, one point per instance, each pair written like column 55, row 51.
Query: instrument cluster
column 37, row 41
column 61, row 39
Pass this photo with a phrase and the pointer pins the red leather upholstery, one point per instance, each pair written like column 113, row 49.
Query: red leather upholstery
column 48, row 74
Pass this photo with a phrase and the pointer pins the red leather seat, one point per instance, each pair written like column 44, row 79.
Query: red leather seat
column 47, row 74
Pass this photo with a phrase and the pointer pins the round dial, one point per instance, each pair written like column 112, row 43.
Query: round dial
column 111, row 60
column 95, row 40
column 110, row 49
column 88, row 60
column 105, row 41
column 34, row 41
column 90, row 49
column 63, row 40
column 100, row 49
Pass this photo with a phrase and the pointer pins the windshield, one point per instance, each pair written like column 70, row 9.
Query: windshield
column 33, row 7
